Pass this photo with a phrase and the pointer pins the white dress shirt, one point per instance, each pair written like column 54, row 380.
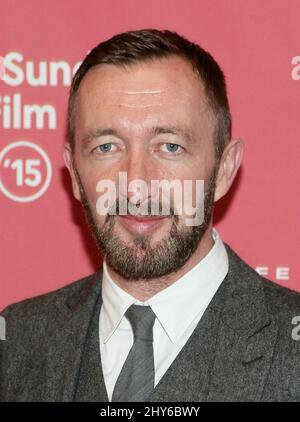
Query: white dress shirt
column 178, row 309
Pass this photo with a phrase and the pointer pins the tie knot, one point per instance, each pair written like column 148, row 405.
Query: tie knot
column 141, row 319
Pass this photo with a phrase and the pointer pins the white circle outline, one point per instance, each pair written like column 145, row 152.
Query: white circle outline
column 48, row 166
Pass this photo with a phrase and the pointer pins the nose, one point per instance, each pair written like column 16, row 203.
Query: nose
column 138, row 171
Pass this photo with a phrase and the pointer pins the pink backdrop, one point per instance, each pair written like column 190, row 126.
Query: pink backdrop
column 43, row 246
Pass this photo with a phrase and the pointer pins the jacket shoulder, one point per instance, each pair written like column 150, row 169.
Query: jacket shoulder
column 42, row 304
column 279, row 299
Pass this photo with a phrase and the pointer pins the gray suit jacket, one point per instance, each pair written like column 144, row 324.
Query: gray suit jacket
column 241, row 350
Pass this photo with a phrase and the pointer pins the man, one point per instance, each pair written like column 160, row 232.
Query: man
column 175, row 314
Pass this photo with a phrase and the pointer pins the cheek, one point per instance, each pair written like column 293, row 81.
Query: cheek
column 99, row 201
column 90, row 181
column 202, row 168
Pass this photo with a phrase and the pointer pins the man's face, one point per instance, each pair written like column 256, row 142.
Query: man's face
column 150, row 120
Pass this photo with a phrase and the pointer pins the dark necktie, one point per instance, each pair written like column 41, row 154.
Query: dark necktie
column 136, row 379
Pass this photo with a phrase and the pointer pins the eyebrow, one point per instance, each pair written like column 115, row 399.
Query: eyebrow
column 157, row 130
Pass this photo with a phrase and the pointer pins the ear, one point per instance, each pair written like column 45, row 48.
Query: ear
column 69, row 162
column 229, row 165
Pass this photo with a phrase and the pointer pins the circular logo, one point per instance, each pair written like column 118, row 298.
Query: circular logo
column 25, row 171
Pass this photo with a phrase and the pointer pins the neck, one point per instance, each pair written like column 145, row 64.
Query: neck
column 144, row 289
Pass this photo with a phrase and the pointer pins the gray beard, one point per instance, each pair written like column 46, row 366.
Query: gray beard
column 139, row 260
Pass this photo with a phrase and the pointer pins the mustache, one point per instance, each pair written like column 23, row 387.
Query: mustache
column 122, row 207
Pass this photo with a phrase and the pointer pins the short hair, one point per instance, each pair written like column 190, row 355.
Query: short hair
column 149, row 44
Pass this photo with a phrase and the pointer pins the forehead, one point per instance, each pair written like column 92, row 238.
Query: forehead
column 142, row 92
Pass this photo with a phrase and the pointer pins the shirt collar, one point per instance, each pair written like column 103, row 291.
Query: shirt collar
column 178, row 305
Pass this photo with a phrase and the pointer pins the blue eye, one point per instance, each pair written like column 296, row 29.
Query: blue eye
column 105, row 147
column 171, row 147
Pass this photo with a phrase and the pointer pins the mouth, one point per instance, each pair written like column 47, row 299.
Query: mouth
column 142, row 224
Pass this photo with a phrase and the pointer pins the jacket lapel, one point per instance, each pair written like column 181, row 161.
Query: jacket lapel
column 63, row 360
column 228, row 356
column 187, row 379
column 246, row 340
column 90, row 386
